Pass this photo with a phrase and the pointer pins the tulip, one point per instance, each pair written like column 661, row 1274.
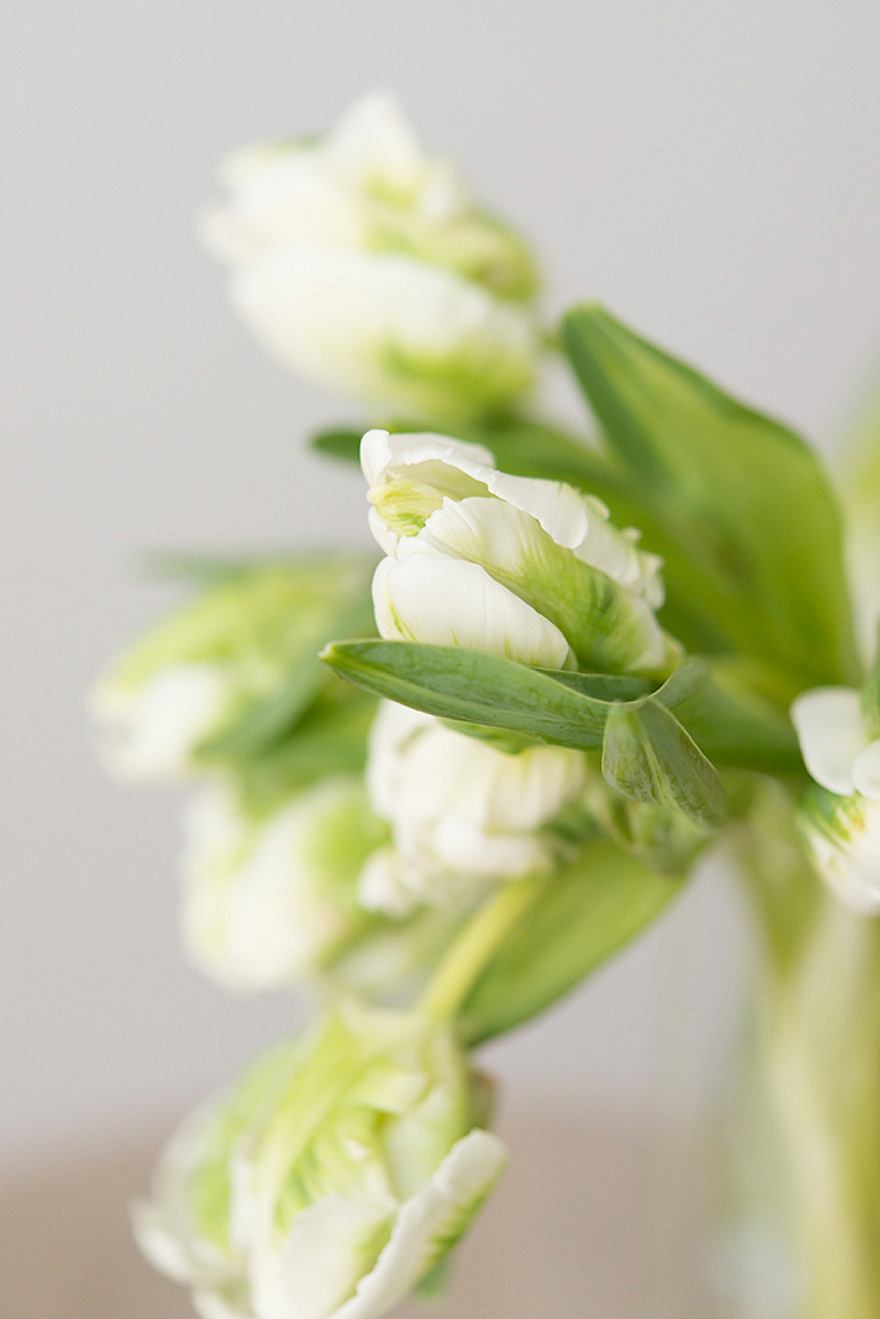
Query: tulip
column 531, row 570
column 330, row 1179
column 463, row 814
column 216, row 658
column 840, row 819
column 270, row 900
column 366, row 266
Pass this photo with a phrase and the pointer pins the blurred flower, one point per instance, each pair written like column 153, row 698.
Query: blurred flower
column 367, row 266
column 840, row 742
column 212, row 662
column 330, row 1179
column 526, row 569
column 462, row 813
column 269, row 900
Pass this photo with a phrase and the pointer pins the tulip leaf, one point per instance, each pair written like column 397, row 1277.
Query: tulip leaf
column 750, row 516
column 558, row 707
column 452, row 683
column 587, row 913
column 340, row 442
column 648, row 757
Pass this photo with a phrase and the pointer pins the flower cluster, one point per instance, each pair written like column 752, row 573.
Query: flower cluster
column 552, row 722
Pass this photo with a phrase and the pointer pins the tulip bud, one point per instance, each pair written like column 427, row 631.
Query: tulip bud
column 463, row 814
column 270, row 899
column 330, row 1179
column 365, row 265
column 212, row 661
column 531, row 570
column 840, row 820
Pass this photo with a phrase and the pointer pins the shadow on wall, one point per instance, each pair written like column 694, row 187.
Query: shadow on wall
column 608, row 1242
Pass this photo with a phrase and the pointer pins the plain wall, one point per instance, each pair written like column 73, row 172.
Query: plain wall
column 710, row 170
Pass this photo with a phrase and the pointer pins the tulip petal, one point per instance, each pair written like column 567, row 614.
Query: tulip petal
column 388, row 329
column 385, row 456
column 866, row 771
column 332, row 1244
column 449, row 602
column 832, row 734
column 608, row 627
column 430, row 1224
column 843, row 835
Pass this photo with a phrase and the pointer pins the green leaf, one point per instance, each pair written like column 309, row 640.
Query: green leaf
column 648, row 757
column 453, row 683
column 752, row 521
column 558, row 707
column 340, row 442
column 588, row 912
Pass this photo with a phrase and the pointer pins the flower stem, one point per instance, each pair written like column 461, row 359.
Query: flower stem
column 475, row 945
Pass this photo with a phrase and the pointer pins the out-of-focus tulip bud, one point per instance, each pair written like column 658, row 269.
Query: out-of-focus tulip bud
column 367, row 266
column 329, row 1180
column 463, row 814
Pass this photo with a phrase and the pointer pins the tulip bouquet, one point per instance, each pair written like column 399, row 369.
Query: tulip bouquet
column 442, row 800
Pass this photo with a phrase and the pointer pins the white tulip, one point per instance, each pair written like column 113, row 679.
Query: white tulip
column 390, row 330
column 151, row 730
column 268, row 901
column 366, row 266
column 841, row 749
column 330, row 1179
column 463, row 814
column 215, row 659
column 524, row 569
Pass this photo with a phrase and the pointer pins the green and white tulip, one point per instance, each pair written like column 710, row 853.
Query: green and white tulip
column 530, row 570
column 367, row 266
column 330, row 1179
column 463, row 814
column 840, row 742
column 269, row 900
column 215, row 659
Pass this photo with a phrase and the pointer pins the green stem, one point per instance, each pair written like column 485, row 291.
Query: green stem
column 478, row 941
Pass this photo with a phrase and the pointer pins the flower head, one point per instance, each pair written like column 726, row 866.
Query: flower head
column 367, row 266
column 840, row 740
column 531, row 570
column 206, row 665
column 463, row 814
column 330, row 1179
column 268, row 900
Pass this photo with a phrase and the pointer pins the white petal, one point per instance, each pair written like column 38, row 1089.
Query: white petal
column 425, row 1224
column 154, row 730
column 464, row 847
column 560, row 509
column 372, row 140
column 381, row 886
column 449, row 602
column 385, row 456
column 388, row 329
column 317, row 1266
column 866, row 771
column 832, row 733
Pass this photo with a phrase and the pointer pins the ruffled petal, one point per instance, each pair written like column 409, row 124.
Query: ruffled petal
column 832, row 734
column 429, row 1224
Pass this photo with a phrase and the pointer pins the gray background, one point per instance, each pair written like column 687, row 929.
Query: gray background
column 708, row 169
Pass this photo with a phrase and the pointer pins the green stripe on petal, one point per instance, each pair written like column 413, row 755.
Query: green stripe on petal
column 430, row 1224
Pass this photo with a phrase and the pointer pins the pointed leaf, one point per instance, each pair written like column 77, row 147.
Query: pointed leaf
column 586, row 914
column 648, row 757
column 745, row 501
